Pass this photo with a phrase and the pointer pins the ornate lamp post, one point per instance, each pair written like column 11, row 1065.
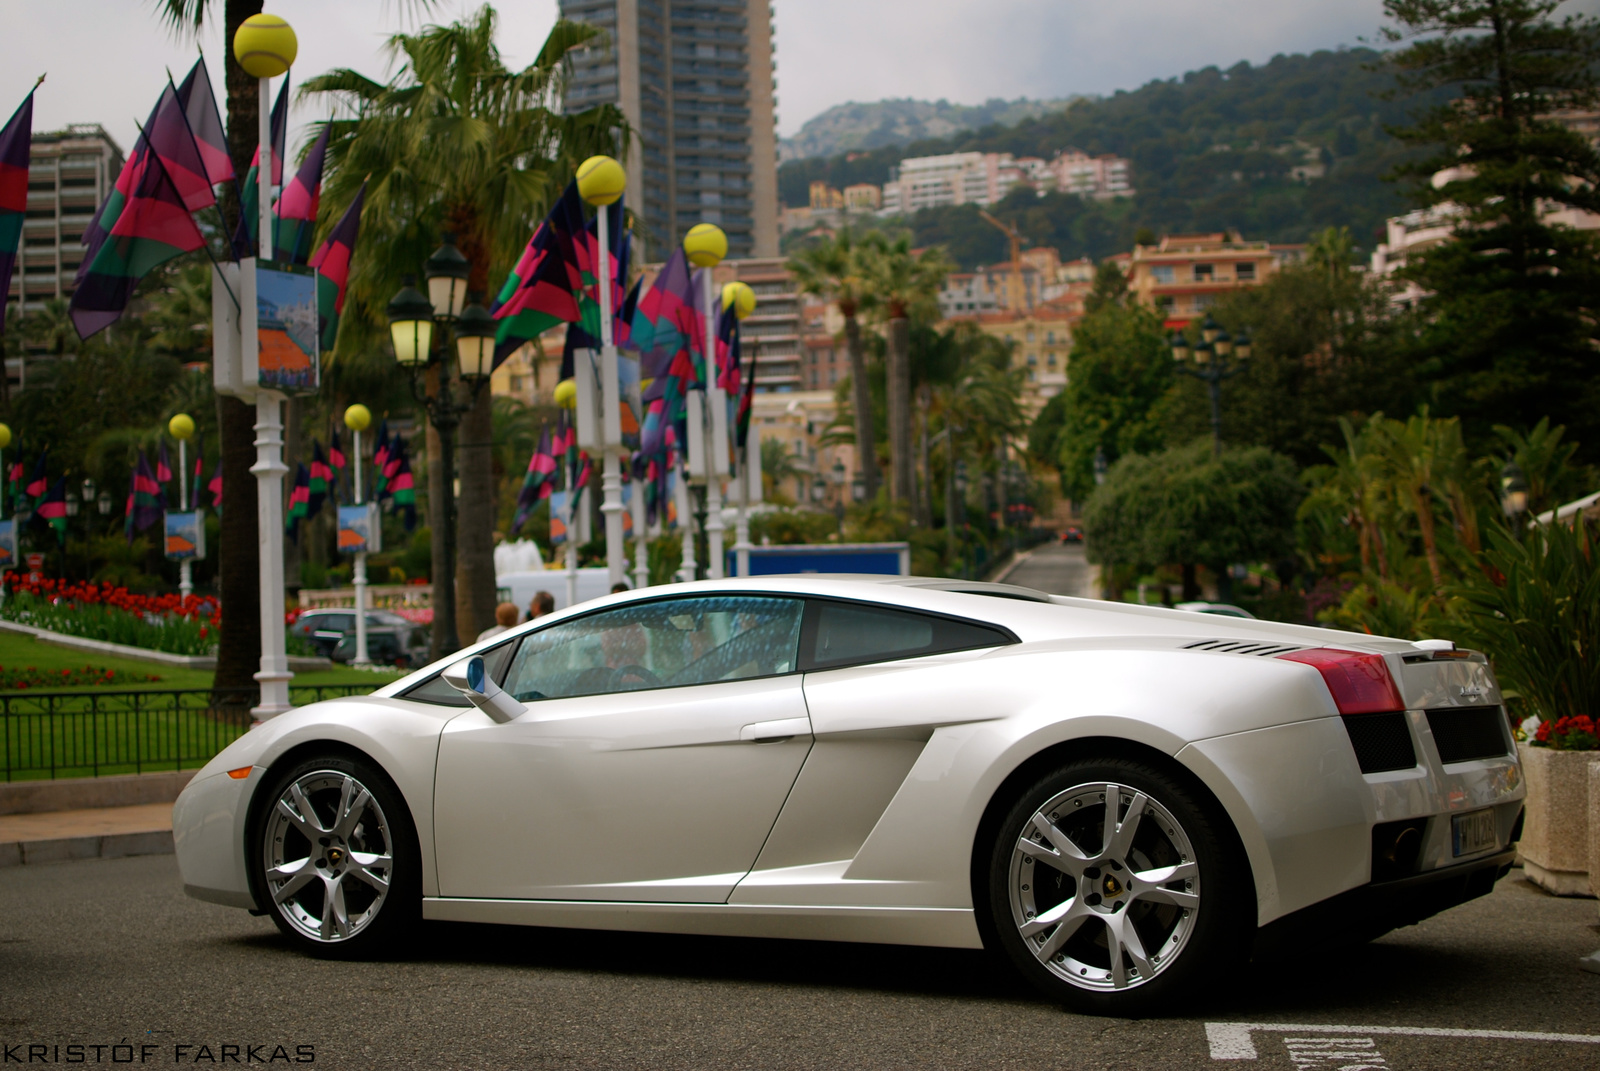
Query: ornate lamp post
column 705, row 245
column 412, row 322
column 265, row 47
column 1212, row 365
column 358, row 418
column 1513, row 491
column 181, row 427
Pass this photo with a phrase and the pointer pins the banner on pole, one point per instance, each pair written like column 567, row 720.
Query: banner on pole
column 360, row 529
column 8, row 544
column 185, row 536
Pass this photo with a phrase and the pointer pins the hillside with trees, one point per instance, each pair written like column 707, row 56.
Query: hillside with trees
column 856, row 126
column 1209, row 150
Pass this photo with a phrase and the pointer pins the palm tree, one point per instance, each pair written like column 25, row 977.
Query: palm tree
column 1412, row 461
column 899, row 283
column 454, row 143
column 833, row 269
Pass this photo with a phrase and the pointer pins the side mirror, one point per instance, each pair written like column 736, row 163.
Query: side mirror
column 469, row 677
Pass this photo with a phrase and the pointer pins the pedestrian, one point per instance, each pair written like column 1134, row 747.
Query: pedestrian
column 543, row 603
column 505, row 616
column 619, row 587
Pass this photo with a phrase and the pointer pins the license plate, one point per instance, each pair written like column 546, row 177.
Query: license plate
column 1473, row 832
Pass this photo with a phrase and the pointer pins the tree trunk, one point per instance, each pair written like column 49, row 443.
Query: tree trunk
column 924, row 511
column 475, row 513
column 238, row 568
column 1430, row 543
column 861, row 394
column 902, row 482
column 444, row 640
column 1191, row 582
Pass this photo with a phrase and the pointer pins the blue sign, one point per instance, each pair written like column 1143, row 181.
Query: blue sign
column 881, row 559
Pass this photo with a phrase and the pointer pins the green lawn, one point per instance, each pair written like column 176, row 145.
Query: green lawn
column 143, row 735
column 19, row 650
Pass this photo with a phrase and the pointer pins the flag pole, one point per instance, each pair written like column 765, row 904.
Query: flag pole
column 610, row 417
column 185, row 573
column 359, row 579
column 269, row 469
column 641, row 547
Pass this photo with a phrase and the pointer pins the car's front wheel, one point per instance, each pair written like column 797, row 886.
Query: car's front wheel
column 1113, row 889
column 335, row 857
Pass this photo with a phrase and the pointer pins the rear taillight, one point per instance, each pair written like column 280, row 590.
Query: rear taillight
column 1360, row 683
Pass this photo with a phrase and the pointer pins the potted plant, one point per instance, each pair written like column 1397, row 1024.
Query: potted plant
column 1534, row 608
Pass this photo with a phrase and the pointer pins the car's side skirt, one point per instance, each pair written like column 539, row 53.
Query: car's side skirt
column 941, row 927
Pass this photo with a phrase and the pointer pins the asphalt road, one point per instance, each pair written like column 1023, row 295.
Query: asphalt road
column 1057, row 568
column 104, row 952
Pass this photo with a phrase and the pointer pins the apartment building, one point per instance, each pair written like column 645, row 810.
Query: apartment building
column 1184, row 274
column 985, row 178
column 70, row 172
column 695, row 79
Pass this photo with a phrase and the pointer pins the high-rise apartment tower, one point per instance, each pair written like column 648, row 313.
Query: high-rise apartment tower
column 695, row 80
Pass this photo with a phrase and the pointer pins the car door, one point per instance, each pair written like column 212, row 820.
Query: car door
column 660, row 741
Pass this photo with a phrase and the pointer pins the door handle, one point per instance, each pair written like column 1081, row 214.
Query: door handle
column 762, row 732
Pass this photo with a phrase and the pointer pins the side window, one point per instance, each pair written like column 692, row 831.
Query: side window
column 844, row 634
column 435, row 691
column 665, row 644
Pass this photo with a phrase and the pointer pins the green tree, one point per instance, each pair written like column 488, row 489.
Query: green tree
column 1119, row 374
column 1514, row 301
column 1326, row 345
column 901, row 284
column 835, row 269
column 1185, row 507
column 455, row 142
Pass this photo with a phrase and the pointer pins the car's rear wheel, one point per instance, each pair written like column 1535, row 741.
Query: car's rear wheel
column 335, row 858
column 1113, row 889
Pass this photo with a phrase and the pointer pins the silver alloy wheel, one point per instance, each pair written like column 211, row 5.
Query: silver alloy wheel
column 1105, row 891
column 329, row 856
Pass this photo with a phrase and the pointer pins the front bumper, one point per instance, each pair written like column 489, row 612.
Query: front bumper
column 1374, row 909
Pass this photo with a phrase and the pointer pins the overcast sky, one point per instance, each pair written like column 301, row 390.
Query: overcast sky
column 106, row 57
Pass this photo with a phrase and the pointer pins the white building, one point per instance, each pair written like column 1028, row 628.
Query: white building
column 986, row 178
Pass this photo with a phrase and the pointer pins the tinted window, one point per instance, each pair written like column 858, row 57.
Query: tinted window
column 436, row 691
column 665, row 644
column 849, row 633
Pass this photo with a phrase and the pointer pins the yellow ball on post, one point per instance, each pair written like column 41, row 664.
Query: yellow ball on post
column 358, row 417
column 265, row 46
column 181, row 427
column 740, row 298
column 601, row 180
column 5, row 436
column 705, row 245
column 567, row 394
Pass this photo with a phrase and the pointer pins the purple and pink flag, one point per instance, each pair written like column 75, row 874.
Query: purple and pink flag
column 205, row 122
column 538, row 484
column 332, row 261
column 16, row 140
column 295, row 214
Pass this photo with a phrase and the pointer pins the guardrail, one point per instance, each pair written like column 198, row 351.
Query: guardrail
column 92, row 733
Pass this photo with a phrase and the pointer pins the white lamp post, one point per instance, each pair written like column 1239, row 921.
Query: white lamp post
column 706, row 245
column 358, row 418
column 181, row 428
column 601, row 181
column 265, row 46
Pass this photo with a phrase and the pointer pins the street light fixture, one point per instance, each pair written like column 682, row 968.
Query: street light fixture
column 1217, row 357
column 412, row 322
column 103, row 503
column 1513, row 490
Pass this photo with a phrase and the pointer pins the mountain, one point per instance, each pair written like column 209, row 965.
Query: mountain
column 853, row 127
column 1277, row 151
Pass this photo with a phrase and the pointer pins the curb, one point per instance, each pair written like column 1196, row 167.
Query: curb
column 297, row 663
column 68, row 849
column 81, row 793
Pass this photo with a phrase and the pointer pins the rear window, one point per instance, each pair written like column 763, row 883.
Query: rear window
column 842, row 634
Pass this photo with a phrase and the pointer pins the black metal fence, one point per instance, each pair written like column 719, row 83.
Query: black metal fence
column 91, row 733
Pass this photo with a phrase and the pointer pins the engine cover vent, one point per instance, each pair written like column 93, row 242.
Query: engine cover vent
column 1382, row 741
column 1466, row 733
column 1246, row 647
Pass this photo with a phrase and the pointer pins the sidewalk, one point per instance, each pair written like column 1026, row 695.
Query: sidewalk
column 90, row 833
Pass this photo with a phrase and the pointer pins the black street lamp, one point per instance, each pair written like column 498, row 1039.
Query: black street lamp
column 413, row 320
column 960, row 484
column 1513, row 491
column 837, row 478
column 1212, row 365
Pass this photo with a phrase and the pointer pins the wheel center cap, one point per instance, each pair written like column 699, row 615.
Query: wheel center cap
column 335, row 856
column 1111, row 886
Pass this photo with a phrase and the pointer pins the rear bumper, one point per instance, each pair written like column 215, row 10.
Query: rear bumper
column 1374, row 909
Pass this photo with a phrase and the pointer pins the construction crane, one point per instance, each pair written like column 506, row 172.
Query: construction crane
column 1017, row 296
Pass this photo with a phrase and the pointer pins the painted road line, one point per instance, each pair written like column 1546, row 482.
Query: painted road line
column 1232, row 1041
column 1328, row 1051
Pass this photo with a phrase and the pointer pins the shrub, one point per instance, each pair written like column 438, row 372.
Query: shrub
column 171, row 623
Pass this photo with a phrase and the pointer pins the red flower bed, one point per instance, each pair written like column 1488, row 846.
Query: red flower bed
column 1576, row 733
column 25, row 677
column 86, row 593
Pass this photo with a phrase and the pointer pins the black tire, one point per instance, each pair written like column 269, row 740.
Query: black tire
column 1200, row 921
column 346, row 855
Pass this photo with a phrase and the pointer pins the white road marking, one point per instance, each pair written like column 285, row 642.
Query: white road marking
column 1345, row 1054
column 1232, row 1041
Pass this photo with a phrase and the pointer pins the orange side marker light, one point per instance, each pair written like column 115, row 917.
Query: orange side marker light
column 241, row 773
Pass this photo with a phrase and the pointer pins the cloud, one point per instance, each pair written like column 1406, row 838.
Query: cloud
column 967, row 51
